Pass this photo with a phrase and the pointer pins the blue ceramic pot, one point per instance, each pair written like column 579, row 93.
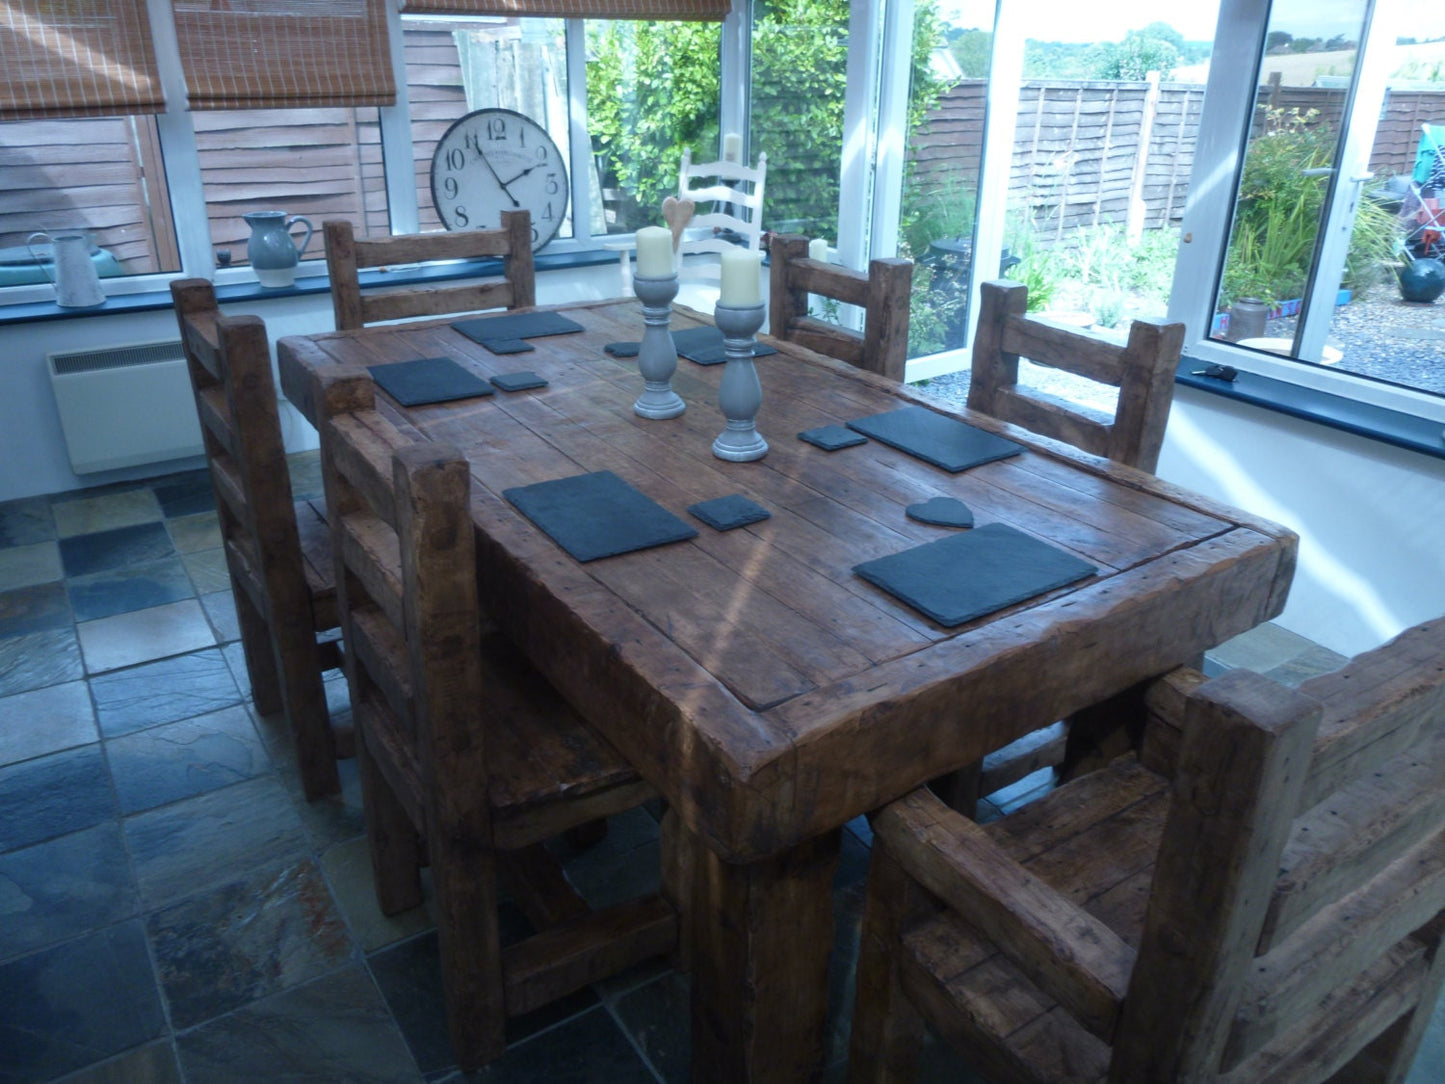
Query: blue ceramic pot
column 1422, row 280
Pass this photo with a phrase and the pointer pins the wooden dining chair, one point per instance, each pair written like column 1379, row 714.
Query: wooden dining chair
column 469, row 759
column 278, row 552
column 356, row 306
column 883, row 294
column 1258, row 896
column 1142, row 369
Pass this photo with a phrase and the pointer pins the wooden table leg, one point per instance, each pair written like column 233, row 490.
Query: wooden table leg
column 761, row 937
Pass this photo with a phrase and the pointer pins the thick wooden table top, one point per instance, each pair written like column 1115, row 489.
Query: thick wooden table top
column 768, row 691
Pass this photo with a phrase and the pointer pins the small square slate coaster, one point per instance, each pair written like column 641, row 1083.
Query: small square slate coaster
column 597, row 515
column 964, row 576
column 725, row 513
column 522, row 380
column 832, row 437
column 936, row 438
column 428, row 380
column 704, row 346
column 622, row 350
column 507, row 346
column 517, row 325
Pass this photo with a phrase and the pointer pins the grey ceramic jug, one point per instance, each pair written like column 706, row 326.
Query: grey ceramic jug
column 77, row 285
column 272, row 253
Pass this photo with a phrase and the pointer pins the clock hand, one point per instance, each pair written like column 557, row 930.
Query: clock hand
column 519, row 176
column 487, row 162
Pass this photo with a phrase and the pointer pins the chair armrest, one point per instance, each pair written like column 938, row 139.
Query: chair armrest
column 1072, row 956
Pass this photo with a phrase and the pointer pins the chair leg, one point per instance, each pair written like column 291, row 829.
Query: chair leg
column 259, row 651
column 959, row 790
column 305, row 699
column 678, row 867
column 887, row 1030
column 396, row 849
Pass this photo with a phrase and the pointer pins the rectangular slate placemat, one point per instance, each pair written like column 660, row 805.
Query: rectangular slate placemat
column 517, row 325
column 597, row 515
column 936, row 438
column 428, row 380
column 964, row 576
column 704, row 346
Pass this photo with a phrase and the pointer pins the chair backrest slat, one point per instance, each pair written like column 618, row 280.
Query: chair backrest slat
column 347, row 255
column 883, row 293
column 735, row 192
column 1142, row 369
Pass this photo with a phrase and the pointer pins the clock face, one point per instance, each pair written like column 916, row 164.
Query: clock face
column 497, row 160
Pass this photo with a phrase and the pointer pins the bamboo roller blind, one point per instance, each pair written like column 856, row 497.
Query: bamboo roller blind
column 577, row 9
column 279, row 54
column 76, row 58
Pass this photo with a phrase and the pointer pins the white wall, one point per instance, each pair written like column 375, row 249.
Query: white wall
column 1370, row 516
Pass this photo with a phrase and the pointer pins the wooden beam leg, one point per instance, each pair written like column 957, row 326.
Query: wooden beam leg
column 959, row 789
column 310, row 722
column 678, row 870
column 1104, row 731
column 761, row 937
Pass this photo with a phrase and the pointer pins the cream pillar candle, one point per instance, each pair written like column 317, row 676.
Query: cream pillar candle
column 732, row 147
column 741, row 279
column 818, row 249
column 654, row 252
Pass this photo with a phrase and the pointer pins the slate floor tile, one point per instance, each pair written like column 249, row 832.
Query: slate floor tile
column 40, row 608
column 154, row 1063
column 347, row 867
column 246, row 940
column 220, row 607
column 588, row 1047
column 305, row 471
column 39, row 659
column 195, row 844
column 104, row 550
column 26, row 521
column 165, row 763
column 63, row 888
column 24, row 566
column 162, row 692
column 198, row 532
column 143, row 635
column 77, row 1003
column 135, row 587
column 207, row 569
column 656, row 1017
column 336, row 1028
column 105, row 512
column 53, row 795
column 185, row 494
column 45, row 721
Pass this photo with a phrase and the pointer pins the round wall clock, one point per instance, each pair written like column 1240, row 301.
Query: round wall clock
column 496, row 160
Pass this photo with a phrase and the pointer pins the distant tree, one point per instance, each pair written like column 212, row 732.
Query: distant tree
column 1164, row 32
column 972, row 48
column 1277, row 39
column 1135, row 57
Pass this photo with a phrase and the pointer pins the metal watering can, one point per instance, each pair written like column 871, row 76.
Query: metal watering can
column 77, row 285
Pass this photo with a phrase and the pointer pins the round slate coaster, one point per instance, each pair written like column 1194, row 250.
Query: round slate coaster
column 942, row 512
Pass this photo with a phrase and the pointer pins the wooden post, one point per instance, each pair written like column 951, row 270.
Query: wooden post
column 1138, row 209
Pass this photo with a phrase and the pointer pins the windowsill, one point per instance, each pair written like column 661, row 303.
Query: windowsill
column 1403, row 430
column 247, row 292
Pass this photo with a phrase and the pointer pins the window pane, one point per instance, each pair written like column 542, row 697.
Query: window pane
column 453, row 70
column 318, row 163
column 800, row 58
column 103, row 175
column 652, row 89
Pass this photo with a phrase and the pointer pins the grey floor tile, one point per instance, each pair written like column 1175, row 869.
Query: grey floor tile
column 336, row 1028
column 246, row 940
column 1311, row 662
column 26, row 521
column 54, row 795
column 195, row 844
column 1429, row 1067
column 305, row 471
column 157, row 632
column 207, row 569
column 347, row 867
column 122, row 590
column 154, row 1063
column 38, row 660
column 657, row 1017
column 220, row 607
column 163, row 692
column 1261, row 648
column 185, row 494
column 333, row 818
column 64, row 888
column 198, row 532
column 100, row 552
column 46, row 721
column 107, row 512
column 77, row 1003
column 24, row 566
column 587, row 1048
column 42, row 607
column 165, row 763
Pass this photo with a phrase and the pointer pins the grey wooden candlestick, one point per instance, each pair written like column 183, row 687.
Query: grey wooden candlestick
column 657, row 354
column 739, row 394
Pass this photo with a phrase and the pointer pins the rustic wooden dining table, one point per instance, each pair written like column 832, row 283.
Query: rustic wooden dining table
column 768, row 691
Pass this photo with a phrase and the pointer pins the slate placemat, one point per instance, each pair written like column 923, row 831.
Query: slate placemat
column 936, row 438
column 428, row 380
column 521, row 380
column 964, row 576
column 597, row 515
column 832, row 437
column 725, row 513
column 517, row 325
column 704, row 346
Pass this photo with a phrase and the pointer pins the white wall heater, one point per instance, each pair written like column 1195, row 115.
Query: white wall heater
column 123, row 406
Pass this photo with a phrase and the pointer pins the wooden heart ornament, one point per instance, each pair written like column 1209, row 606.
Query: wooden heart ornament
column 677, row 213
